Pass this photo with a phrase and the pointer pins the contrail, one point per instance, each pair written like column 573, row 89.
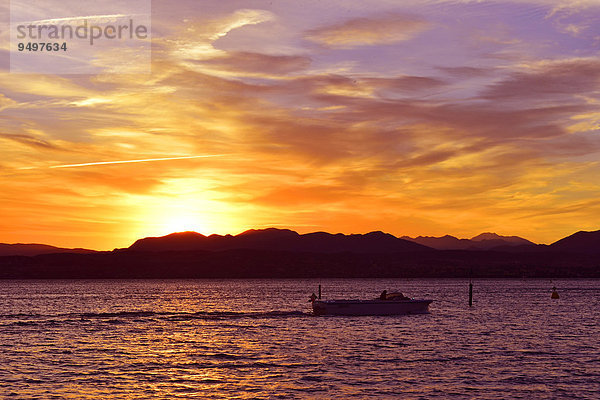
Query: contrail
column 133, row 161
column 107, row 17
column 127, row 161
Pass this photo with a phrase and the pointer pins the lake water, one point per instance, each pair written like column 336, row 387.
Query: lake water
column 257, row 339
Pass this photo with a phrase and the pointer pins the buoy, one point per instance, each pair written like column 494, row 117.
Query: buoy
column 554, row 294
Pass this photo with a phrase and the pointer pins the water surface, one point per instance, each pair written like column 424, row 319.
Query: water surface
column 204, row 339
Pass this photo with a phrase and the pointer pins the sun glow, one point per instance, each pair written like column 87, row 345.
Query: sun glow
column 164, row 216
column 181, row 223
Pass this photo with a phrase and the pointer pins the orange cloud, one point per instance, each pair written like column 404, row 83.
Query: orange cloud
column 368, row 31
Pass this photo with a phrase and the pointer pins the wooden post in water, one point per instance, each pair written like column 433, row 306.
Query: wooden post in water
column 470, row 294
column 319, row 291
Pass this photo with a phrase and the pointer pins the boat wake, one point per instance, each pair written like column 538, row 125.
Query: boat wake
column 140, row 316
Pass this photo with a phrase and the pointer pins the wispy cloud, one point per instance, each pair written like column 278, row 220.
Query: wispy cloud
column 256, row 63
column 93, row 18
column 555, row 78
column 368, row 31
column 30, row 141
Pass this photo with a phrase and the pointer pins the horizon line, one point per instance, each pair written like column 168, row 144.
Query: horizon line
column 246, row 230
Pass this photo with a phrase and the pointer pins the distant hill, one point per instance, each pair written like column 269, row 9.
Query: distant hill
column 484, row 241
column 489, row 240
column 280, row 240
column 441, row 243
column 34, row 249
column 282, row 253
column 581, row 242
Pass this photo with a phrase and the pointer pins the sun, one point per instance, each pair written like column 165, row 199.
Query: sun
column 181, row 223
column 163, row 215
column 185, row 219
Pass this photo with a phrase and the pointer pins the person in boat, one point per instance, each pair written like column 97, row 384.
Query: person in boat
column 383, row 295
column 313, row 297
column 395, row 296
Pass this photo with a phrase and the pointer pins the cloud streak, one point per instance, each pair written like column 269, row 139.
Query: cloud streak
column 95, row 18
column 30, row 141
column 368, row 31
column 145, row 160
column 556, row 78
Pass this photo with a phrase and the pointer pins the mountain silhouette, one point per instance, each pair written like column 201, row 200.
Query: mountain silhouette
column 280, row 240
column 446, row 242
column 583, row 242
column 283, row 253
column 483, row 241
column 34, row 249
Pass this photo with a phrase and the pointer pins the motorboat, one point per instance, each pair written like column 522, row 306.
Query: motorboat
column 386, row 304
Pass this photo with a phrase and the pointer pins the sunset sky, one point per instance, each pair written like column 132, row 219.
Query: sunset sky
column 411, row 117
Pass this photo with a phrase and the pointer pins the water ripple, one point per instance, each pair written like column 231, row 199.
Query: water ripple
column 184, row 339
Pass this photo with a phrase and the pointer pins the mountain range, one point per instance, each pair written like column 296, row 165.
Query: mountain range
column 484, row 241
column 34, row 249
column 282, row 253
column 281, row 240
column 322, row 242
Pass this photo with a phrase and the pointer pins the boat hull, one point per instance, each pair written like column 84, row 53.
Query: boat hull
column 370, row 307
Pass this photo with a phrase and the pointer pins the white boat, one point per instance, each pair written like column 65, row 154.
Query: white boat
column 392, row 305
